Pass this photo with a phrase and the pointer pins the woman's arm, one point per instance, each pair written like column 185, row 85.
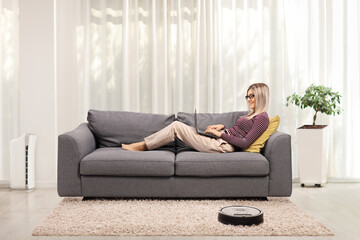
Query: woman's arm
column 261, row 122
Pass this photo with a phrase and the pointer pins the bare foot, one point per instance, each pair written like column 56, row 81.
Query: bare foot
column 139, row 146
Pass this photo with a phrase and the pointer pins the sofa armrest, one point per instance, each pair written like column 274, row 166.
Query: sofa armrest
column 277, row 151
column 72, row 147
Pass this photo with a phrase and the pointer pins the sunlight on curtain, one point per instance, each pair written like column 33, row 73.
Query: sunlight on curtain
column 170, row 56
column 9, row 45
column 322, row 47
column 165, row 56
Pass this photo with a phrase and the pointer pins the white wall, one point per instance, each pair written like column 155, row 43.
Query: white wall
column 37, row 84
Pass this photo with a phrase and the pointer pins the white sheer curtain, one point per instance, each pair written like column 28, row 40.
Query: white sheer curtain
column 170, row 56
column 322, row 46
column 167, row 56
column 9, row 45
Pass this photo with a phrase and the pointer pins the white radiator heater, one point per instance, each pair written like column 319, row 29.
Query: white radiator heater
column 22, row 162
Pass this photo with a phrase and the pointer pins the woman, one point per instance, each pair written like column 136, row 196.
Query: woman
column 246, row 130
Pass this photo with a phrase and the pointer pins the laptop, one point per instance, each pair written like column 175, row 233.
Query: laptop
column 202, row 132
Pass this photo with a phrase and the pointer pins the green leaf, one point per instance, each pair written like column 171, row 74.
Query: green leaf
column 319, row 98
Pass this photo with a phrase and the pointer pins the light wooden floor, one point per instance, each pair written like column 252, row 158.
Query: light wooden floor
column 336, row 205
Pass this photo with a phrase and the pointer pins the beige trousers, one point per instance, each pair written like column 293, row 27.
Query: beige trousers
column 189, row 136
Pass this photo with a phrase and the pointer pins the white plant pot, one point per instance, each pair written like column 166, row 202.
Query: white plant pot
column 313, row 155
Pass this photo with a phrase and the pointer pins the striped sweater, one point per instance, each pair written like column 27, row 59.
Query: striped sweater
column 245, row 131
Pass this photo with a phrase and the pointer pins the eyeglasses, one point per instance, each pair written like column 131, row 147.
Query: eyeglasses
column 251, row 96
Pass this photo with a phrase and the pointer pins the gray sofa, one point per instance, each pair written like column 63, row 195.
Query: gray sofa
column 91, row 162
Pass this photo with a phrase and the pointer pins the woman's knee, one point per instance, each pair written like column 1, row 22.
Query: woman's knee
column 180, row 128
column 177, row 124
column 174, row 127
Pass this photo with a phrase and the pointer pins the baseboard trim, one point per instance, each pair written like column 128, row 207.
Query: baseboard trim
column 45, row 184
column 335, row 180
column 344, row 180
column 4, row 183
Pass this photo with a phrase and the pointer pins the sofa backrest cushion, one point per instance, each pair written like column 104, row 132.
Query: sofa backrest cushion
column 113, row 128
column 206, row 119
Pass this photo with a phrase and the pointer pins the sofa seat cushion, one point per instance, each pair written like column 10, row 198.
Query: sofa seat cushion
column 221, row 164
column 118, row 162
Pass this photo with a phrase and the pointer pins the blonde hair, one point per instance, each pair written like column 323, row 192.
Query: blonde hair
column 262, row 94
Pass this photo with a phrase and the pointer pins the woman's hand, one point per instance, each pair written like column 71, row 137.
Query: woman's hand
column 217, row 127
column 213, row 131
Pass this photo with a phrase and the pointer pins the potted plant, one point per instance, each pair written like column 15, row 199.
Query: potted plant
column 313, row 140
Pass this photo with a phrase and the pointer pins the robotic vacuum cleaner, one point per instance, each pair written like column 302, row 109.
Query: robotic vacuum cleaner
column 240, row 215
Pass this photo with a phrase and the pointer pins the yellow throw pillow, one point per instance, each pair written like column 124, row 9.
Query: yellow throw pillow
column 260, row 142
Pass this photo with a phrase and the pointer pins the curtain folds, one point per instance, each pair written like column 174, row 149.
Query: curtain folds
column 170, row 56
column 9, row 57
column 166, row 56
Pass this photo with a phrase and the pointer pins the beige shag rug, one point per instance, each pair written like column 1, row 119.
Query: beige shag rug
column 148, row 217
